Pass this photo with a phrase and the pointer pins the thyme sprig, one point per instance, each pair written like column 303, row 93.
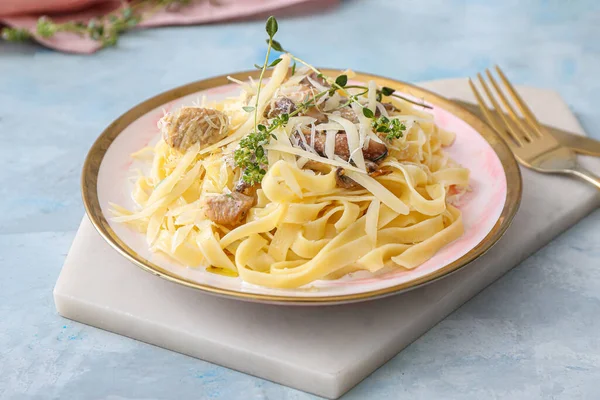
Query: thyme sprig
column 106, row 29
column 393, row 128
column 251, row 156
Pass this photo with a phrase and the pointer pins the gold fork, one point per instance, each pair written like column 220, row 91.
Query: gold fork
column 531, row 143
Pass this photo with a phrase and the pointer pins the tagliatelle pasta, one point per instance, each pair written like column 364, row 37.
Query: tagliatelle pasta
column 347, row 179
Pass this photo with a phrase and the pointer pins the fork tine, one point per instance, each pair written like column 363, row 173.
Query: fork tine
column 529, row 116
column 509, row 107
column 488, row 115
column 499, row 111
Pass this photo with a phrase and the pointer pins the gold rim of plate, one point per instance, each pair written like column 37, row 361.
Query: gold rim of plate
column 91, row 167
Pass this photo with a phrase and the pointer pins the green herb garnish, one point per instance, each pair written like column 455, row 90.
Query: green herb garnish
column 367, row 112
column 393, row 128
column 251, row 155
column 105, row 29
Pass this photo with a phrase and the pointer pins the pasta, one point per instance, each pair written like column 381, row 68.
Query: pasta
column 351, row 179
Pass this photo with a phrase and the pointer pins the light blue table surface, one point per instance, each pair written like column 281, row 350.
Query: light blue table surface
column 534, row 334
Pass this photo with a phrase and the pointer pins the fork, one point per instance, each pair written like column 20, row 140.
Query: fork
column 530, row 142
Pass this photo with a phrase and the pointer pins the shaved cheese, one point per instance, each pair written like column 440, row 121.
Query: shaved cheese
column 292, row 90
column 313, row 135
column 145, row 153
column 301, row 161
column 245, row 86
column 364, row 126
column 367, row 141
column 304, row 142
column 382, row 110
column 378, row 190
column 301, row 121
column 330, row 126
column 349, row 73
column 372, row 95
column 314, row 157
column 330, row 144
column 316, row 84
column 372, row 136
column 283, row 139
column 352, row 136
column 332, row 102
column 303, row 71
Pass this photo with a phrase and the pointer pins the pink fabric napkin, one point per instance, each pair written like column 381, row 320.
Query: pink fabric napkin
column 25, row 13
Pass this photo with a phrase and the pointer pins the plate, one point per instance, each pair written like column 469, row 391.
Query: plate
column 487, row 210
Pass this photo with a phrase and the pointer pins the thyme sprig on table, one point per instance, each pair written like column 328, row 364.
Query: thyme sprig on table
column 106, row 29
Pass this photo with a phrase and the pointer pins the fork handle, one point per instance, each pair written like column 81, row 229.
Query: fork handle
column 586, row 175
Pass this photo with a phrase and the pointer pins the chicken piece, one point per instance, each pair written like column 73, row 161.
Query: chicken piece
column 375, row 151
column 282, row 105
column 189, row 125
column 344, row 182
column 228, row 209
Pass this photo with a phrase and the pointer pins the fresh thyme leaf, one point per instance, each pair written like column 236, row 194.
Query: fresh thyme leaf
column 45, row 28
column 275, row 62
column 412, row 101
column 16, row 34
column 393, row 128
column 277, row 46
column 248, row 108
column 104, row 29
column 251, row 157
column 341, row 80
column 280, row 120
column 271, row 26
column 294, row 68
column 368, row 113
column 386, row 91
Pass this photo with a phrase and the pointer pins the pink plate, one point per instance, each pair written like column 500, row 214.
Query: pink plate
column 487, row 209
